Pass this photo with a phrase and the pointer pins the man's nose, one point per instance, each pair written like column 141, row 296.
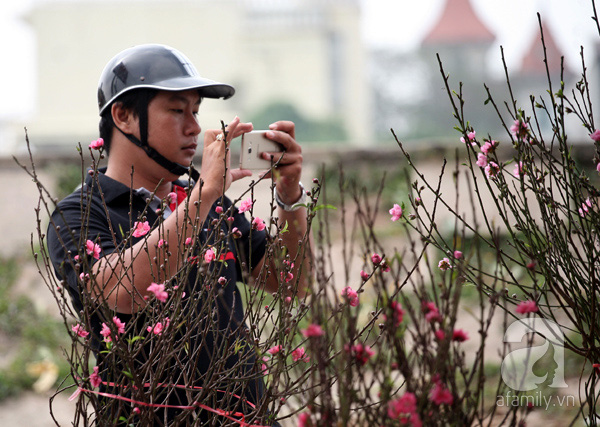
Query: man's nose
column 193, row 127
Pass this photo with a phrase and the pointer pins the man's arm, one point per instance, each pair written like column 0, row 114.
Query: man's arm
column 125, row 277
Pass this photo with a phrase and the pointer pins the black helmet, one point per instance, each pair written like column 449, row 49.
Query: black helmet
column 154, row 66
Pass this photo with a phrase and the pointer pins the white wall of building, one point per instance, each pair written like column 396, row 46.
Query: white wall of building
column 307, row 53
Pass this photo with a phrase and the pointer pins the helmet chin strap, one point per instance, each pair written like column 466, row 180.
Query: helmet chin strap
column 174, row 168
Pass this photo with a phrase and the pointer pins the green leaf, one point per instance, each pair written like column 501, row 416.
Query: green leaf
column 128, row 374
column 134, row 339
column 239, row 345
column 319, row 207
column 285, row 228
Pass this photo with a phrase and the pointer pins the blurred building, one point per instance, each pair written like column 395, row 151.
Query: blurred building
column 301, row 57
column 422, row 108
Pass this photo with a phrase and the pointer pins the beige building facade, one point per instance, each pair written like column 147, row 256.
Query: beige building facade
column 305, row 53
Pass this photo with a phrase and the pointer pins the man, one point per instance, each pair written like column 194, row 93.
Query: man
column 151, row 263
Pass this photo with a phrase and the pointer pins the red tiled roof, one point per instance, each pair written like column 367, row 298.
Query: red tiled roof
column 533, row 61
column 458, row 23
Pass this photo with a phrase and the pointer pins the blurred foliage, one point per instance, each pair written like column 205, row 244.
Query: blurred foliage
column 307, row 130
column 34, row 336
column 68, row 178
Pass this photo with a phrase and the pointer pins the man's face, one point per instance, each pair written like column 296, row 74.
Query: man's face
column 173, row 127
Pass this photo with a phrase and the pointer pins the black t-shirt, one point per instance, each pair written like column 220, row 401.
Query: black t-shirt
column 104, row 212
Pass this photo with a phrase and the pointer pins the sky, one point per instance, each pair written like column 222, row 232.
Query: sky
column 394, row 24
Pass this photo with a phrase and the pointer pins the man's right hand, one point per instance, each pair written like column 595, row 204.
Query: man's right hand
column 216, row 172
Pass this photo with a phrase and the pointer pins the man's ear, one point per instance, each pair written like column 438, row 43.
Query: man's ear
column 124, row 118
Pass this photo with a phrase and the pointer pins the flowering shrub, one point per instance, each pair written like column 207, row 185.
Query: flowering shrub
column 380, row 339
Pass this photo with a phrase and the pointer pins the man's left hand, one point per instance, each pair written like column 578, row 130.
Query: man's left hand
column 289, row 164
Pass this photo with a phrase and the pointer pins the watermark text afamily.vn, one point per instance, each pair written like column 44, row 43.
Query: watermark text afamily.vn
column 534, row 400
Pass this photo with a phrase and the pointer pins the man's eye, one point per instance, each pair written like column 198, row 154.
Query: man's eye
column 176, row 110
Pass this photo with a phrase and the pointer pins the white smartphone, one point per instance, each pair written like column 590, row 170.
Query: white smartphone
column 253, row 145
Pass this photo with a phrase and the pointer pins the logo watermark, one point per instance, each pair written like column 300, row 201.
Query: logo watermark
column 517, row 366
column 537, row 400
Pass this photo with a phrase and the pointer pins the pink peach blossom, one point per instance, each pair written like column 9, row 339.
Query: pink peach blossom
column 396, row 212
column 245, row 205
column 300, row 354
column 431, row 311
column 440, row 395
column 263, row 366
column 105, row 332
column 519, row 129
column 120, row 325
column 444, row 264
column 596, row 135
column 398, row 313
column 489, row 147
column 528, row 306
column 258, row 224
column 470, row 136
column 304, row 420
column 140, row 228
column 171, row 198
column 376, row 258
column 159, row 291
column 492, row 170
column 159, row 327
column 210, row 255
column 79, row 330
column 93, row 249
column 313, row 330
column 404, row 409
column 274, row 350
column 362, row 353
column 482, row 160
column 95, row 379
column 350, row 295
column 518, row 170
column 287, row 277
column 97, row 144
column 459, row 335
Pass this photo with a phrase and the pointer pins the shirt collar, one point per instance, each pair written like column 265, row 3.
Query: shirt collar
column 112, row 189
